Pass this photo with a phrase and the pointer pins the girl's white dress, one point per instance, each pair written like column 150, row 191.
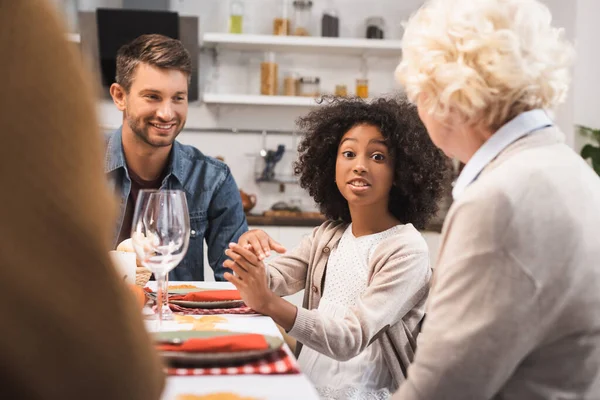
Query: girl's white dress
column 366, row 376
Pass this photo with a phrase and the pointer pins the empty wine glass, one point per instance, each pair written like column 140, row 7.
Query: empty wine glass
column 160, row 233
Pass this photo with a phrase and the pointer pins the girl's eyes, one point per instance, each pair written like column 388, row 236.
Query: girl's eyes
column 376, row 156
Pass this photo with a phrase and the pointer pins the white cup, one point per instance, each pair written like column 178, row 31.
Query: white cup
column 124, row 262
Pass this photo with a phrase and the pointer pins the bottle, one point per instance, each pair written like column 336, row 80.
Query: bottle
column 362, row 88
column 290, row 85
column 268, row 75
column 330, row 23
column 281, row 24
column 236, row 17
column 341, row 90
column 375, row 28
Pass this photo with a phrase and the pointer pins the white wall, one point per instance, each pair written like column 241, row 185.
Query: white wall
column 564, row 15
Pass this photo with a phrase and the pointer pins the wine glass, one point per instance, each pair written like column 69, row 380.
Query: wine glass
column 160, row 233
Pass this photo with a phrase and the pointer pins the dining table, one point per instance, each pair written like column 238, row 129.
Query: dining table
column 254, row 386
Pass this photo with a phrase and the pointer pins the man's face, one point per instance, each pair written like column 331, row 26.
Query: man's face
column 156, row 106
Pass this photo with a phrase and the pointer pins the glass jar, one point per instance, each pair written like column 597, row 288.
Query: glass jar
column 302, row 17
column 362, row 88
column 268, row 75
column 236, row 17
column 290, row 85
column 375, row 28
column 281, row 24
column 341, row 90
column 309, row 86
column 330, row 23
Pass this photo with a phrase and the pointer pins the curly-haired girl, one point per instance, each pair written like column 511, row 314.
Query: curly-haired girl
column 375, row 174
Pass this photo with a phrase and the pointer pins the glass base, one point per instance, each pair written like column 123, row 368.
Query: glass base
column 167, row 314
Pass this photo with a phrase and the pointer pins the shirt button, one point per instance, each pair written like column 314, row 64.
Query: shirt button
column 326, row 250
column 315, row 289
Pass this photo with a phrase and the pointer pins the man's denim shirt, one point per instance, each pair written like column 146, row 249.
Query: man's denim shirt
column 214, row 204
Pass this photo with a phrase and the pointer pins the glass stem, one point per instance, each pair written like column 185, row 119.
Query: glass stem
column 160, row 284
column 165, row 289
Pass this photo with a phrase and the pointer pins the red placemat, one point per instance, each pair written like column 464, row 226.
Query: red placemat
column 277, row 363
column 211, row 311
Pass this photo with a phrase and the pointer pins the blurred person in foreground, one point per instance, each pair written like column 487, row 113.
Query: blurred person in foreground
column 514, row 307
column 70, row 328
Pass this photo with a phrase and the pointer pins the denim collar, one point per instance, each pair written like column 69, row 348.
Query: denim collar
column 115, row 158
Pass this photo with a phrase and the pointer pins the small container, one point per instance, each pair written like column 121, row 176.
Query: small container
column 268, row 75
column 362, row 88
column 375, row 28
column 330, row 23
column 236, row 17
column 309, row 86
column 290, row 85
column 341, row 90
column 302, row 17
column 282, row 23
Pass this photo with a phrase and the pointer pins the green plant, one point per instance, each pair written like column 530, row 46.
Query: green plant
column 590, row 151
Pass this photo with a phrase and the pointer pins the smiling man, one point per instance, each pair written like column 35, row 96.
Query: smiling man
column 153, row 75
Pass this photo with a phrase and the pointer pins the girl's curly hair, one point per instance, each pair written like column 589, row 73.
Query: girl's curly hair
column 420, row 170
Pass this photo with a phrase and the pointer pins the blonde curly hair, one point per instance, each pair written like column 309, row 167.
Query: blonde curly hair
column 484, row 61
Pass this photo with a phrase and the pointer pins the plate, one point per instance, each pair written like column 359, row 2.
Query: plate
column 200, row 304
column 208, row 304
column 187, row 359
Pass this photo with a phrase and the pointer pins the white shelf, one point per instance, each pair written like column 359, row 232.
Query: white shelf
column 303, row 44
column 216, row 98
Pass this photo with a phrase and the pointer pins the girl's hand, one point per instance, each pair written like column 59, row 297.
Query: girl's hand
column 250, row 277
column 261, row 243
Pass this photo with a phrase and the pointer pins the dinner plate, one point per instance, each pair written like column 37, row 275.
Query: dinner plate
column 200, row 304
column 206, row 359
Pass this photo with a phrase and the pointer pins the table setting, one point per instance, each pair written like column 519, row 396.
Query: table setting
column 212, row 345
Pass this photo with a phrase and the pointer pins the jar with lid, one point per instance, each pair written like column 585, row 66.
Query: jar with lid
column 341, row 90
column 236, row 17
column 309, row 86
column 330, row 23
column 362, row 88
column 302, row 17
column 375, row 28
column 269, row 75
column 281, row 24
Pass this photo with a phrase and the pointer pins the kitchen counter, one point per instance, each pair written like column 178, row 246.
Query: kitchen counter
column 285, row 220
column 310, row 220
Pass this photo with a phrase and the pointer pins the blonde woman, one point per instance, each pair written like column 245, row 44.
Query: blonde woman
column 514, row 307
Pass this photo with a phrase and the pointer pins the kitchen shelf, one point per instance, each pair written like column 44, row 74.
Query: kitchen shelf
column 248, row 99
column 303, row 44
